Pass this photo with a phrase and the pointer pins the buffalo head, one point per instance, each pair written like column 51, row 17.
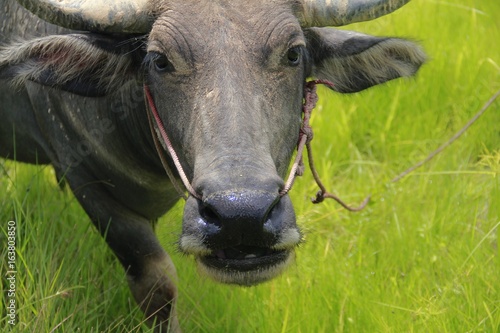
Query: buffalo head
column 227, row 79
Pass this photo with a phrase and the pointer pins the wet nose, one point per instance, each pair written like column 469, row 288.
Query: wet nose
column 241, row 217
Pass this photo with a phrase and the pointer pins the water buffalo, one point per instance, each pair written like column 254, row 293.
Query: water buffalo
column 225, row 81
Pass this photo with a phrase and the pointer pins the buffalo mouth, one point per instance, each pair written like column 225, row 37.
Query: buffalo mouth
column 244, row 258
column 244, row 265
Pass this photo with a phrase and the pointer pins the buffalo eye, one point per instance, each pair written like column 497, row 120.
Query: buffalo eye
column 161, row 63
column 293, row 56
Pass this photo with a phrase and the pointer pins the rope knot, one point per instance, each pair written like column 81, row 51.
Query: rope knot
column 307, row 131
column 320, row 196
column 305, row 137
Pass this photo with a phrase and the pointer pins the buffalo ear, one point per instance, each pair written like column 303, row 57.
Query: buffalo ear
column 354, row 61
column 85, row 64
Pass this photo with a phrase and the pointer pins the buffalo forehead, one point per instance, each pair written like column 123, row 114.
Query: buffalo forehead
column 210, row 29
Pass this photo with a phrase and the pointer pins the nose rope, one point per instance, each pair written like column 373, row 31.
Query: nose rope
column 305, row 137
column 169, row 147
column 305, row 134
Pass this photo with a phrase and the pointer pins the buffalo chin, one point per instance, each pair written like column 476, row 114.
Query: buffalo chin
column 247, row 271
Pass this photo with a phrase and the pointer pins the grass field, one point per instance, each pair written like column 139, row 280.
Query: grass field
column 422, row 257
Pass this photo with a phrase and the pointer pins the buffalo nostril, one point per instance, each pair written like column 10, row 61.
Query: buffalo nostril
column 209, row 215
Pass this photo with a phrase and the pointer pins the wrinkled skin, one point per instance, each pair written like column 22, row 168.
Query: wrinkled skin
column 227, row 80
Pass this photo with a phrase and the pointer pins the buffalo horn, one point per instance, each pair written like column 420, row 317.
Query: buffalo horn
column 321, row 13
column 108, row 16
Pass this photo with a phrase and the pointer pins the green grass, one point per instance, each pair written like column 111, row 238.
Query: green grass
column 422, row 257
